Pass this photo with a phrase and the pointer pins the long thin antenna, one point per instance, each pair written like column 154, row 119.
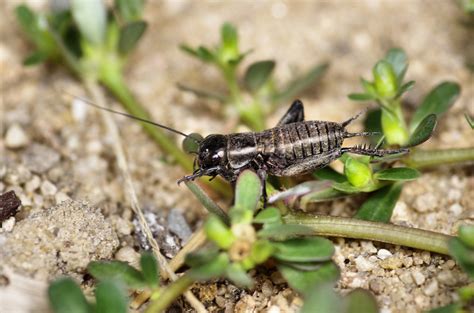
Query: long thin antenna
column 130, row 116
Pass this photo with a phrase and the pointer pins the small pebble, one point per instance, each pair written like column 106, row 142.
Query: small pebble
column 220, row 301
column 446, row 277
column 431, row 288
column 456, row 209
column 178, row 225
column 40, row 158
column 7, row 226
column 407, row 261
column 376, row 285
column 277, row 278
column 418, row 277
column 425, row 203
column 48, row 189
column 267, row 288
column 33, row 184
column 363, row 265
column 16, row 137
column 60, row 197
column 391, row 263
column 426, row 257
column 383, row 254
column 129, row 255
column 406, row 278
column 368, row 246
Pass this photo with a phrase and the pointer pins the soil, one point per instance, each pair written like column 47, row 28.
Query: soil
column 59, row 159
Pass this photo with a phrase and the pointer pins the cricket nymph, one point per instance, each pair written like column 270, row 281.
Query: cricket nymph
column 293, row 147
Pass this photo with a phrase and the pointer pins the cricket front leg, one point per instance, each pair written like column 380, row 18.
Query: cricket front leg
column 262, row 174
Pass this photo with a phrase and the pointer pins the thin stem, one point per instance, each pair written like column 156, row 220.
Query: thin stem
column 333, row 226
column 427, row 158
column 207, row 202
column 169, row 294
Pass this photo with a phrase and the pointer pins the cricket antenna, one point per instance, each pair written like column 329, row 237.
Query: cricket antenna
column 132, row 117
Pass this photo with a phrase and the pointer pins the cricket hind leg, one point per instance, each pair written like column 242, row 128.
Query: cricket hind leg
column 363, row 150
column 294, row 114
column 310, row 164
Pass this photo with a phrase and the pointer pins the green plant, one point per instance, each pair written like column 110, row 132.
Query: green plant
column 257, row 80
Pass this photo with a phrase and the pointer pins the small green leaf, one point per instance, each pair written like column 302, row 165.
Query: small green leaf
column 130, row 34
column 27, row 19
column 248, row 190
column 361, row 96
column 218, row 232
column 110, row 297
column 423, row 132
column 397, row 174
column 91, row 18
column 302, row 281
column 301, row 83
column 261, row 251
column 35, row 58
column 117, row 270
column 321, row 196
column 380, row 205
column 214, row 268
column 405, row 87
column 229, row 40
column 469, row 120
column 466, row 234
column 303, row 266
column 385, row 80
column 284, row 231
column 321, row 298
column 269, row 215
column 149, row 269
column 328, row 173
column 463, row 256
column 313, row 249
column 130, row 10
column 438, row 101
column 201, row 53
column 346, row 187
column 201, row 257
column 191, row 143
column 66, row 296
column 360, row 300
column 237, row 274
column 398, row 59
column 258, row 73
column 358, row 172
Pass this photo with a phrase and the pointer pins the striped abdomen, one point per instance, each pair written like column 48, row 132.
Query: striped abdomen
column 287, row 143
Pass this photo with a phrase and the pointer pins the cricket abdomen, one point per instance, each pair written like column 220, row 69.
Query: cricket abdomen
column 293, row 142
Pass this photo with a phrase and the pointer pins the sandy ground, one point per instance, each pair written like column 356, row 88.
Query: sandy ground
column 49, row 237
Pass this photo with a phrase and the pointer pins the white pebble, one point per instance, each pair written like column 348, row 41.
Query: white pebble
column 48, row 189
column 79, row 109
column 129, row 255
column 61, row 197
column 431, row 289
column 426, row 202
column 418, row 277
column 363, row 265
column 16, row 137
column 7, row 226
column 456, row 209
column 383, row 254
column 33, row 184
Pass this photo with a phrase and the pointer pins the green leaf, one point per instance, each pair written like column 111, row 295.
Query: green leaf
column 358, row 172
column 301, row 83
column 450, row 308
column 218, row 232
column 237, row 274
column 397, row 174
column 129, row 36
column 111, row 297
column 302, row 281
column 130, row 10
column 269, row 215
column 201, row 257
column 117, row 270
column 423, row 132
column 438, row 101
column 380, row 205
column 320, row 196
column 149, row 269
column 313, row 249
column 284, row 231
column 346, row 187
column 191, row 143
column 469, row 120
column 66, row 296
column 405, row 87
column 91, row 18
column 248, row 190
column 303, row 266
column 361, row 96
column 261, row 251
column 466, row 235
column 229, row 38
column 27, row 19
column 201, row 53
column 258, row 73
column 328, row 173
column 398, row 59
column 321, row 298
column 214, row 268
column 385, row 80
column 463, row 255
column 360, row 300
column 35, row 58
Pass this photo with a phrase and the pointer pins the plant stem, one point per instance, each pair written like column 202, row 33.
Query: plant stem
column 169, row 294
column 393, row 124
column 427, row 158
column 207, row 202
column 359, row 229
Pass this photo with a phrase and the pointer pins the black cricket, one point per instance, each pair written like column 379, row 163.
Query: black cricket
column 293, row 147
